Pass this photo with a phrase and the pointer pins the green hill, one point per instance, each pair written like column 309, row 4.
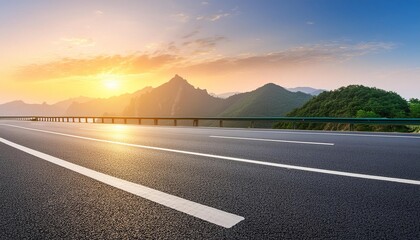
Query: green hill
column 269, row 100
column 353, row 101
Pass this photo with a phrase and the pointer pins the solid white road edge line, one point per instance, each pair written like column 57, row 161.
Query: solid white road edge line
column 272, row 140
column 279, row 165
column 206, row 213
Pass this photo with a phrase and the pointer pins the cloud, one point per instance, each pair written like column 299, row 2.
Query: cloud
column 73, row 67
column 98, row 12
column 218, row 16
column 204, row 3
column 310, row 23
column 203, row 44
column 310, row 54
column 191, row 34
column 213, row 17
column 181, row 17
column 186, row 58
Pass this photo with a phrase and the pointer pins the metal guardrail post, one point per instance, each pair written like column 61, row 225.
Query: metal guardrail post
column 139, row 121
column 252, row 124
column 113, row 120
column 175, row 123
column 125, row 120
column 156, row 121
column 220, row 123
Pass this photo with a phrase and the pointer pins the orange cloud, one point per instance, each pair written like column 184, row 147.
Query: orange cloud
column 187, row 61
column 117, row 64
column 311, row 54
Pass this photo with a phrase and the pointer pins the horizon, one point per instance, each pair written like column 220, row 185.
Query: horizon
column 217, row 95
column 98, row 49
column 176, row 75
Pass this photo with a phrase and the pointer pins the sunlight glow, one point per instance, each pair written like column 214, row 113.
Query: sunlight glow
column 110, row 81
column 112, row 84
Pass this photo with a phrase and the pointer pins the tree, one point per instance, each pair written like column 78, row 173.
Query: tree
column 367, row 114
column 414, row 108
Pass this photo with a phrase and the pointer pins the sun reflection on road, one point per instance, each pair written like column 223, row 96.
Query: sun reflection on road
column 118, row 132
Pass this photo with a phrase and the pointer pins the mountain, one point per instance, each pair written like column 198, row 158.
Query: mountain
column 66, row 103
column 352, row 101
column 20, row 108
column 224, row 95
column 178, row 98
column 268, row 100
column 104, row 106
column 308, row 90
column 175, row 98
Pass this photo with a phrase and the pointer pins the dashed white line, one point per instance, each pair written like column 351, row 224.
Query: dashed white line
column 278, row 165
column 273, row 140
column 300, row 132
column 206, row 213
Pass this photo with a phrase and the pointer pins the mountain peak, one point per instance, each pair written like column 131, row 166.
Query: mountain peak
column 178, row 82
column 271, row 86
column 178, row 78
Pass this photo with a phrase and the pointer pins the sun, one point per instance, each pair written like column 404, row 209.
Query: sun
column 112, row 84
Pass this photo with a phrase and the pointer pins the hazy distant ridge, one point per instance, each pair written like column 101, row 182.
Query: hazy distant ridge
column 308, row 90
column 20, row 108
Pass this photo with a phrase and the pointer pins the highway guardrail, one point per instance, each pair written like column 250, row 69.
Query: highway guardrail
column 195, row 120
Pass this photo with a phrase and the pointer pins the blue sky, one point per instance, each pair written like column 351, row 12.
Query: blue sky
column 231, row 45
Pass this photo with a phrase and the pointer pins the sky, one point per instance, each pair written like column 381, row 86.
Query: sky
column 53, row 50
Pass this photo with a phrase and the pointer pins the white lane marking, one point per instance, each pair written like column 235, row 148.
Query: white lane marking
column 206, row 213
column 239, row 138
column 278, row 165
column 342, row 134
column 272, row 140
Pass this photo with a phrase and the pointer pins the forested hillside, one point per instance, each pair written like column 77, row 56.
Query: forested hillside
column 355, row 101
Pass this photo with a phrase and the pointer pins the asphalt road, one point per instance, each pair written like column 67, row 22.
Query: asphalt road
column 104, row 181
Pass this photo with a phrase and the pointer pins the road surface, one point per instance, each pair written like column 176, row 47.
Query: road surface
column 90, row 181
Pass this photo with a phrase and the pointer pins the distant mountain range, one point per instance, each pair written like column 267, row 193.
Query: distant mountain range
column 224, row 95
column 175, row 98
column 104, row 106
column 20, row 108
column 308, row 90
column 179, row 98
